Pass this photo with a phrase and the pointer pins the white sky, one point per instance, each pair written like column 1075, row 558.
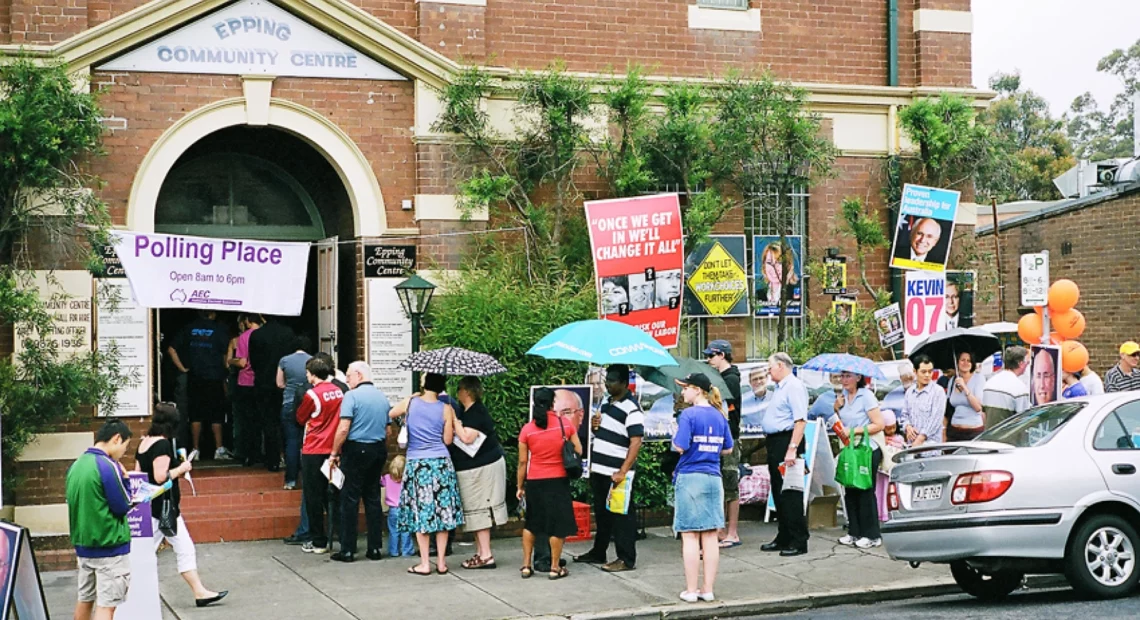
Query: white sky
column 1054, row 44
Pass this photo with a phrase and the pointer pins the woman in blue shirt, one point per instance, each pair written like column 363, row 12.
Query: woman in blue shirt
column 858, row 409
column 702, row 437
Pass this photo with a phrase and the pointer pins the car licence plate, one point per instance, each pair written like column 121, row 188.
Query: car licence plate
column 928, row 493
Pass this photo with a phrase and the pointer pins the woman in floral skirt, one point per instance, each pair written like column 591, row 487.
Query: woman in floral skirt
column 429, row 501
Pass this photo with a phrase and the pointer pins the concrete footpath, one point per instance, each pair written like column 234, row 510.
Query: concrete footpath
column 271, row 580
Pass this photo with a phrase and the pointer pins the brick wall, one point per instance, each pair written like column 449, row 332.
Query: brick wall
column 458, row 32
column 1102, row 263
column 37, row 22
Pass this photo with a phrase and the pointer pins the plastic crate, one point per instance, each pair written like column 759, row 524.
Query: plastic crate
column 582, row 518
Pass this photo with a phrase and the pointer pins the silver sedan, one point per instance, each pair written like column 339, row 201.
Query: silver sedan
column 1055, row 489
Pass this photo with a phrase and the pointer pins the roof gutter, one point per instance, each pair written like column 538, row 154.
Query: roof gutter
column 892, row 42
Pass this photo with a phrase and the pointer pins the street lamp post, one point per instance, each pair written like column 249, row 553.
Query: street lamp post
column 415, row 294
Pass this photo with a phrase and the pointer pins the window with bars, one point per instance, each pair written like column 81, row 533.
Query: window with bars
column 760, row 219
column 741, row 5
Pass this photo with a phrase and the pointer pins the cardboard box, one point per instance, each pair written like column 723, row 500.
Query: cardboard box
column 823, row 510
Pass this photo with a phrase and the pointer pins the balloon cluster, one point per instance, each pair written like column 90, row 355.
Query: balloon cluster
column 1067, row 322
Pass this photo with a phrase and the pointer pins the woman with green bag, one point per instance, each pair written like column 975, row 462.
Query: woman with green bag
column 858, row 412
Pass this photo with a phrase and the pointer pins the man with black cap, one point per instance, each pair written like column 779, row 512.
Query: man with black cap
column 719, row 356
column 618, row 430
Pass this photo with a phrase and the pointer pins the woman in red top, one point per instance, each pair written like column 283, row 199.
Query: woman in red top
column 544, row 483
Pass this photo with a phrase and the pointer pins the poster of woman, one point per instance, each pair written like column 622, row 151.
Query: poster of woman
column 770, row 260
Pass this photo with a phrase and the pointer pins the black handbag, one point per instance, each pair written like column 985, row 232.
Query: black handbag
column 168, row 518
column 570, row 459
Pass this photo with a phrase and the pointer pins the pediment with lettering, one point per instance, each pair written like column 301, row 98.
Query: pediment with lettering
column 252, row 37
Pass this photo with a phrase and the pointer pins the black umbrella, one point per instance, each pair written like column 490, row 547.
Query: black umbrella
column 943, row 348
column 453, row 361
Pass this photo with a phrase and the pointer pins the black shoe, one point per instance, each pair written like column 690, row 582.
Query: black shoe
column 590, row 558
column 202, row 602
column 274, row 468
column 772, row 546
column 343, row 556
column 792, row 552
column 295, row 540
column 373, row 554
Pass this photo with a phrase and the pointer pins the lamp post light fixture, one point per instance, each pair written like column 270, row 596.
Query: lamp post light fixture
column 415, row 294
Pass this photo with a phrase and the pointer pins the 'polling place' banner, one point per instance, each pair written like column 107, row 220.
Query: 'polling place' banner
column 177, row 271
column 639, row 258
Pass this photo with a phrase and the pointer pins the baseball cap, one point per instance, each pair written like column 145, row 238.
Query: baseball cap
column 1129, row 348
column 718, row 346
column 696, row 379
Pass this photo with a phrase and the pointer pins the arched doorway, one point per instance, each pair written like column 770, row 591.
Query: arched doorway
column 257, row 182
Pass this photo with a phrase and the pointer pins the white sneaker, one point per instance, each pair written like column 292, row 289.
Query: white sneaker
column 690, row 597
column 848, row 540
column 867, row 543
column 221, row 454
column 310, row 548
column 706, row 596
column 289, row 486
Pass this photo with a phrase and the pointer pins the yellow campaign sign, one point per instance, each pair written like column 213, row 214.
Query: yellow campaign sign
column 719, row 281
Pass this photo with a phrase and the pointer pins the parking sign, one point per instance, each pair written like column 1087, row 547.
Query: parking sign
column 1035, row 279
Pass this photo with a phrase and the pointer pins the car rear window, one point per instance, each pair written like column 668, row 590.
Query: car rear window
column 1033, row 427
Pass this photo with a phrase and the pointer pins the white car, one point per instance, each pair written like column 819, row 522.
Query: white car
column 1053, row 490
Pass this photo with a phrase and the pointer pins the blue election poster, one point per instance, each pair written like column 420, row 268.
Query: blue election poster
column 925, row 228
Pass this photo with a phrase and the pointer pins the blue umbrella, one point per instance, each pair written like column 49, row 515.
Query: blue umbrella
column 602, row 342
column 843, row 362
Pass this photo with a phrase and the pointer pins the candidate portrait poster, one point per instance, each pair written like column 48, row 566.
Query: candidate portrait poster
column 716, row 279
column 1044, row 374
column 888, row 321
column 958, row 311
column 768, row 264
column 923, row 307
column 639, row 259
column 925, row 228
column 573, row 404
column 835, row 275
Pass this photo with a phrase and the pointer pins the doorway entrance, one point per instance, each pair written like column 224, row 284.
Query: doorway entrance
column 262, row 183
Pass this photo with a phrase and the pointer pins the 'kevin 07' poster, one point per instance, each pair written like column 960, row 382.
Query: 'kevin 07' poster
column 639, row 259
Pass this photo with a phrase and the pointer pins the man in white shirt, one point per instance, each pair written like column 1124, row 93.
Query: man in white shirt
column 1006, row 394
column 1092, row 381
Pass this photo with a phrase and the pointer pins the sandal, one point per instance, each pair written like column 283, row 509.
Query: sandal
column 728, row 544
column 413, row 571
column 527, row 572
column 477, row 562
column 559, row 574
column 442, row 572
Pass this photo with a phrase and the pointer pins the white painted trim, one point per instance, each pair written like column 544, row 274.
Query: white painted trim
column 44, row 520
column 709, row 18
column 444, row 207
column 935, row 20
column 258, row 90
column 57, row 447
column 460, row 2
column 345, row 157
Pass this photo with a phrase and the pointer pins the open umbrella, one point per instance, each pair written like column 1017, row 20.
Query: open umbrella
column 666, row 376
column 943, row 347
column 845, row 362
column 602, row 342
column 453, row 361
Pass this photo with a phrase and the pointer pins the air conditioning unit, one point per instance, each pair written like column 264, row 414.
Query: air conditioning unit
column 1106, row 174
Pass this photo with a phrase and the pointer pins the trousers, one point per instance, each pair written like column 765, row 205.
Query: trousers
column 862, row 507
column 622, row 529
column 792, row 532
column 363, row 465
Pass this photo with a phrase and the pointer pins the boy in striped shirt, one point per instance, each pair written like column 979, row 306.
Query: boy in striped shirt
column 618, row 431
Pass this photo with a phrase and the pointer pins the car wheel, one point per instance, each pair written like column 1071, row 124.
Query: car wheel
column 985, row 586
column 1101, row 559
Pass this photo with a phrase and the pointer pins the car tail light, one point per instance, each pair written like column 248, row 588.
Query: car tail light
column 892, row 496
column 980, row 486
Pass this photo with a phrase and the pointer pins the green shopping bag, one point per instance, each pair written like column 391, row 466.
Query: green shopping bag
column 854, row 467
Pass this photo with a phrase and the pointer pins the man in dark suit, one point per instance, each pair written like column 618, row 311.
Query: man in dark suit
column 921, row 242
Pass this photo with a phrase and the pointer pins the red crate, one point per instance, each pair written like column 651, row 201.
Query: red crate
column 582, row 518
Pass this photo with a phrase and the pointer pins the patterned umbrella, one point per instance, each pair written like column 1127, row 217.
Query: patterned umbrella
column 453, row 361
column 844, row 362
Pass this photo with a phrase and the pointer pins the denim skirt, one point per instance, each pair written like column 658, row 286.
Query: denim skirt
column 699, row 503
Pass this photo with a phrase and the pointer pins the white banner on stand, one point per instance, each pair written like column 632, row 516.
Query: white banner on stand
column 389, row 339
column 125, row 325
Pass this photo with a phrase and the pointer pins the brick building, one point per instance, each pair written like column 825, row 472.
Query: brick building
column 1091, row 241
column 326, row 107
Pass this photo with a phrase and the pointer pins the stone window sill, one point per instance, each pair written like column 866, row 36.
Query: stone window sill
column 709, row 18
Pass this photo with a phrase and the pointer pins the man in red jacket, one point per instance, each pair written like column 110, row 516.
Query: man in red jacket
column 319, row 412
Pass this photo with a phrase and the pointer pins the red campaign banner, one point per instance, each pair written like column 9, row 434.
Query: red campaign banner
column 639, row 260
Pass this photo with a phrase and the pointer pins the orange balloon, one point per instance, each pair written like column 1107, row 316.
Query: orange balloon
column 1074, row 356
column 1063, row 295
column 1040, row 310
column 1070, row 323
column 1055, row 338
column 1030, row 328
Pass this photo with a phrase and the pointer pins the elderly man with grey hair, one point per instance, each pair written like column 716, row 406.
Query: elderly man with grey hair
column 784, row 423
column 360, row 451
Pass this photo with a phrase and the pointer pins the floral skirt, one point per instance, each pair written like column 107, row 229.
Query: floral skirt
column 429, row 501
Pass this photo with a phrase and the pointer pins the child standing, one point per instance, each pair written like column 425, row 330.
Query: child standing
column 399, row 543
column 894, row 444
